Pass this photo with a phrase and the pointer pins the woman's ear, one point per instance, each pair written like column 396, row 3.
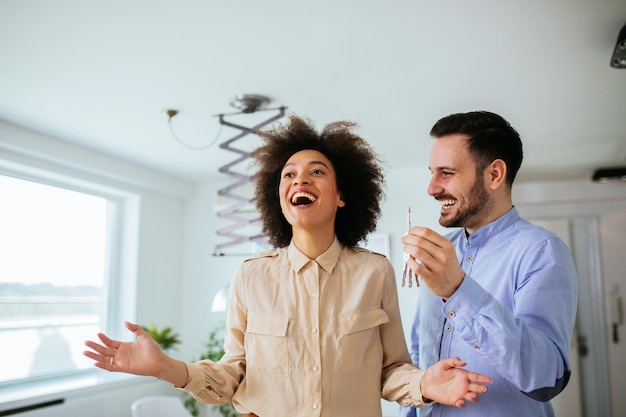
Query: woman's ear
column 341, row 203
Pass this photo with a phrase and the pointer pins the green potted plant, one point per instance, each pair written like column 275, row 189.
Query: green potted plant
column 214, row 350
column 166, row 338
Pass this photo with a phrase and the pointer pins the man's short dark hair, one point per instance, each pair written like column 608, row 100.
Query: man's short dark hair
column 491, row 137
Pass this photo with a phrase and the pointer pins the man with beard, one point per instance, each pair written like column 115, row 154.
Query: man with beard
column 492, row 285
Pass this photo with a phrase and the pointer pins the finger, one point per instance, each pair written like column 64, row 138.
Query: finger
column 135, row 328
column 414, row 237
column 107, row 366
column 92, row 355
column 479, row 378
column 417, row 266
column 476, row 389
column 472, row 397
column 101, row 361
column 107, row 341
column 96, row 346
column 456, row 362
column 426, row 234
column 423, row 252
column 434, row 237
column 418, row 231
column 104, row 351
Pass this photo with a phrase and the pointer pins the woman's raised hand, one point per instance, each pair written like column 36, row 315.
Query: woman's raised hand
column 141, row 357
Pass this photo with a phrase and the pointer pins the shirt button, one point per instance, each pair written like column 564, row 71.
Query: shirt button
column 476, row 347
column 315, row 405
column 315, row 368
column 448, row 328
column 313, row 330
column 469, row 257
column 451, row 314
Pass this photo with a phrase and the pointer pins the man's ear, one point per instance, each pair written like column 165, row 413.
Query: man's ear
column 496, row 174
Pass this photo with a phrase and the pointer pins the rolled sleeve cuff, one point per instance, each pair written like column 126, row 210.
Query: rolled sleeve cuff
column 414, row 397
column 197, row 383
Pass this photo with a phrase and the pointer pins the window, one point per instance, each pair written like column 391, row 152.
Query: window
column 56, row 275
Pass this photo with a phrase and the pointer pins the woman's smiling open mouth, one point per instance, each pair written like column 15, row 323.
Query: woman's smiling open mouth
column 302, row 198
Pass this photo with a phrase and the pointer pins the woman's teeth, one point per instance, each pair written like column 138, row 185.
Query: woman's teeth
column 302, row 198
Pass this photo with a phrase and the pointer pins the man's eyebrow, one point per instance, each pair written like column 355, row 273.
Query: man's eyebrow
column 442, row 168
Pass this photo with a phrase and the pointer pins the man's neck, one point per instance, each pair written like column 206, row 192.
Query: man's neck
column 494, row 215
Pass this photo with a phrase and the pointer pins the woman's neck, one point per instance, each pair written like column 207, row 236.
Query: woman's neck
column 313, row 243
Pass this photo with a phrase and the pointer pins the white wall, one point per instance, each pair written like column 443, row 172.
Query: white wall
column 204, row 273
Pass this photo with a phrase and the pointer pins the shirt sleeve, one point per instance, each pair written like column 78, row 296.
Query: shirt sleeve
column 528, row 346
column 400, row 378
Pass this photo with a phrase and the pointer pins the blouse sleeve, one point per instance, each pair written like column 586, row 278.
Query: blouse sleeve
column 400, row 378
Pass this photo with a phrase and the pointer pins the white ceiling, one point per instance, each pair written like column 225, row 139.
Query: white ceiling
column 100, row 74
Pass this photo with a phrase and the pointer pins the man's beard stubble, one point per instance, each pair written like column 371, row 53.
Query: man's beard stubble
column 478, row 203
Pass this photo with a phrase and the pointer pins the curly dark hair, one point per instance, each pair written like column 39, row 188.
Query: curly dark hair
column 359, row 172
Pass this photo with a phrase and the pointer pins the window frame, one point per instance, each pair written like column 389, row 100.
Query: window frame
column 120, row 283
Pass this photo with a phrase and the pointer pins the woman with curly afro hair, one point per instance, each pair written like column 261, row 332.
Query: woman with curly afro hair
column 313, row 325
column 358, row 173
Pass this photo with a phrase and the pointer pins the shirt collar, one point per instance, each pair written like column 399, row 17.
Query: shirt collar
column 496, row 226
column 326, row 260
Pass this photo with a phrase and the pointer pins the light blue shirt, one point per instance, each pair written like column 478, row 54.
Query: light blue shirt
column 512, row 319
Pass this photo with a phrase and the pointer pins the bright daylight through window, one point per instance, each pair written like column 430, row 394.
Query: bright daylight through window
column 53, row 256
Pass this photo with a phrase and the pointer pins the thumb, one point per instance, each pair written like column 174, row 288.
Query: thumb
column 133, row 327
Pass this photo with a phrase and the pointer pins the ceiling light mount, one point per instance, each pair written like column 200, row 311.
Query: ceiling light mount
column 249, row 103
column 246, row 103
column 170, row 113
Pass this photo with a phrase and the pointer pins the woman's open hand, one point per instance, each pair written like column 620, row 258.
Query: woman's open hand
column 446, row 383
column 141, row 357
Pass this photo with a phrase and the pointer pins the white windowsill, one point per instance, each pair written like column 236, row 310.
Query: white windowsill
column 28, row 393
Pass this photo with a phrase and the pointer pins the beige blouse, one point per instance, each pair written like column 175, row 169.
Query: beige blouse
column 311, row 338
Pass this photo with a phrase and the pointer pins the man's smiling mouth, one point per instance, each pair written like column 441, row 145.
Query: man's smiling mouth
column 447, row 202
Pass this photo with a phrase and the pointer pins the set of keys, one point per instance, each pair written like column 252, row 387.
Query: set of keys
column 406, row 271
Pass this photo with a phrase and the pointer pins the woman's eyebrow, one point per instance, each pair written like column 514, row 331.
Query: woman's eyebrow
column 288, row 164
column 318, row 163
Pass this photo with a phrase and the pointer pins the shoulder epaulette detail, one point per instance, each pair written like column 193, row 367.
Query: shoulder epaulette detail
column 266, row 254
column 360, row 249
